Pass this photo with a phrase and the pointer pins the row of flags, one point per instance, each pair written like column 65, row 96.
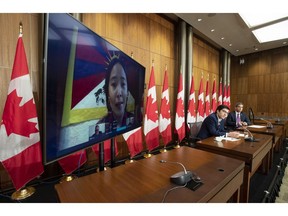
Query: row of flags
column 20, row 147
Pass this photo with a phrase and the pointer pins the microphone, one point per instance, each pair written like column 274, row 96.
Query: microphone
column 269, row 124
column 182, row 177
column 250, row 138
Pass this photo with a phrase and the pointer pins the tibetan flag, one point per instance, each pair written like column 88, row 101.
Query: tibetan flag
column 207, row 100
column 214, row 98
column 191, row 112
column 134, row 141
column 180, row 115
column 151, row 124
column 20, row 147
column 200, row 108
column 72, row 162
column 165, row 117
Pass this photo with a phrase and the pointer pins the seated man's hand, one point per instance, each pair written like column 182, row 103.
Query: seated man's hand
column 233, row 134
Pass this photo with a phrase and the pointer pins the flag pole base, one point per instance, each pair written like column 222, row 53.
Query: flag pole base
column 23, row 193
column 163, row 150
column 147, row 155
column 68, row 178
column 98, row 169
column 129, row 161
column 176, row 146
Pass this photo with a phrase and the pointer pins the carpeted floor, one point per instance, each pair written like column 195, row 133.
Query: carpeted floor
column 283, row 193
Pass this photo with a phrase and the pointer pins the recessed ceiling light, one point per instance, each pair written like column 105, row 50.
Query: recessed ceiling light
column 237, row 50
column 212, row 30
column 251, row 20
column 230, row 45
column 222, row 38
column 199, row 19
column 285, row 42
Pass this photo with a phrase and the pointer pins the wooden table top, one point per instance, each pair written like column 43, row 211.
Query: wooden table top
column 147, row 180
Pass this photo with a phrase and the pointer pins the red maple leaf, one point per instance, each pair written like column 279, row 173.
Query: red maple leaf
column 151, row 109
column 16, row 118
column 165, row 108
column 180, row 109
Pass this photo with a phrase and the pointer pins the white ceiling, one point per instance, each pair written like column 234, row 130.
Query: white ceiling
column 237, row 35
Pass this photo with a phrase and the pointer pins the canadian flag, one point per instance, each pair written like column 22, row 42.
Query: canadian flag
column 133, row 139
column 180, row 116
column 207, row 100
column 224, row 95
column 151, row 124
column 165, row 117
column 20, row 147
column 220, row 99
column 107, row 149
column 191, row 112
column 214, row 98
column 228, row 96
column 200, row 108
column 73, row 161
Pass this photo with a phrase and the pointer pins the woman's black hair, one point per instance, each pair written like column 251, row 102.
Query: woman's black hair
column 115, row 60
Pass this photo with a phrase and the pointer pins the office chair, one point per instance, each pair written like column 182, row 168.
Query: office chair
column 194, row 129
column 251, row 115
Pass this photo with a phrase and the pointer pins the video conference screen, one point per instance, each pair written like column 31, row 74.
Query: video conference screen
column 92, row 90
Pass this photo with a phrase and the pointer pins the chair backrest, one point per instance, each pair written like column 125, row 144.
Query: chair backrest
column 251, row 115
column 194, row 129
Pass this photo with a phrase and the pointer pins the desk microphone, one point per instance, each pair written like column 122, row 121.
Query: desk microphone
column 269, row 124
column 181, row 177
column 250, row 138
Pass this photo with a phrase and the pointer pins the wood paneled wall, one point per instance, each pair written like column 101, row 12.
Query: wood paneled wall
column 261, row 82
column 150, row 37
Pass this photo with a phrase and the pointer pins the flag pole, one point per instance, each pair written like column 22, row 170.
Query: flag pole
column 23, row 192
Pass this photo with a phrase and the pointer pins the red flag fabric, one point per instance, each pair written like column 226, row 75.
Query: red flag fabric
column 107, row 149
column 214, row 98
column 200, row 108
column 151, row 124
column 220, row 94
column 180, row 116
column 20, row 147
column 191, row 112
column 134, row 140
column 72, row 162
column 228, row 96
column 207, row 100
column 165, row 117
column 224, row 95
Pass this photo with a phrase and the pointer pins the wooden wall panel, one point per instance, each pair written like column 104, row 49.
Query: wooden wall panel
column 267, row 76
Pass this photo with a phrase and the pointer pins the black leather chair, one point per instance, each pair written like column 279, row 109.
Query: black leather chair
column 194, row 129
column 251, row 115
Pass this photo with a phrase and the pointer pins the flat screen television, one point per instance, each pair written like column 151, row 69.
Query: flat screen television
column 76, row 100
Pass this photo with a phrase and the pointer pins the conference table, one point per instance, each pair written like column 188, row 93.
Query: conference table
column 254, row 154
column 148, row 180
column 277, row 136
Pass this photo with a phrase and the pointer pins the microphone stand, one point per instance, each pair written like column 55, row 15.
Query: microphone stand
column 269, row 124
column 250, row 138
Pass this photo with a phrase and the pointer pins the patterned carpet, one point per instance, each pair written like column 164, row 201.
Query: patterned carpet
column 283, row 193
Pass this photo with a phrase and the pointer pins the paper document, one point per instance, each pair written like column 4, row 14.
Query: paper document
column 257, row 126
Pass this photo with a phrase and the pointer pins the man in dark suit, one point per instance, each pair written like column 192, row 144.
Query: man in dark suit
column 213, row 125
column 237, row 118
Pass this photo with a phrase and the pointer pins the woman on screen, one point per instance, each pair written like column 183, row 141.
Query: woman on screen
column 116, row 91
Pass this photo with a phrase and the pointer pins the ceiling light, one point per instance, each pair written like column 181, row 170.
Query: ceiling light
column 273, row 32
column 212, row 30
column 253, row 19
column 285, row 42
column 230, row 45
column 199, row 19
column 222, row 38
